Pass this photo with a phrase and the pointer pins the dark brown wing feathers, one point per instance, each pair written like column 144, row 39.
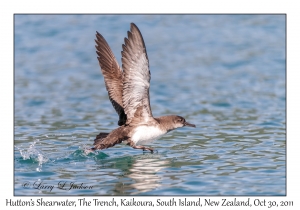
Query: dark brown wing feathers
column 112, row 74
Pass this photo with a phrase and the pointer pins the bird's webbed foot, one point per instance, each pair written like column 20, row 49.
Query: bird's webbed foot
column 141, row 147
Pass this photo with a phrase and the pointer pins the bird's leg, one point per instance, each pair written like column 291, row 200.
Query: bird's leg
column 143, row 148
column 140, row 147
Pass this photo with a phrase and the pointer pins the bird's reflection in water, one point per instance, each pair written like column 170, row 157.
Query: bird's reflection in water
column 144, row 174
column 136, row 174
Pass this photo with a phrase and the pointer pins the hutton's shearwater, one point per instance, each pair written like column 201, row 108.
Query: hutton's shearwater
column 128, row 91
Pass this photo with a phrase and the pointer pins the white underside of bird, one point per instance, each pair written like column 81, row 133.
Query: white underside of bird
column 146, row 134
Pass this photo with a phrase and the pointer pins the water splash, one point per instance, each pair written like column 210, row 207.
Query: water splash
column 34, row 154
column 85, row 151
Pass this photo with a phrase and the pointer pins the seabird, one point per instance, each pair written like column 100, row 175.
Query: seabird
column 128, row 91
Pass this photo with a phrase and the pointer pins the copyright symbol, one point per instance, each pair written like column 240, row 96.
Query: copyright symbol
column 26, row 185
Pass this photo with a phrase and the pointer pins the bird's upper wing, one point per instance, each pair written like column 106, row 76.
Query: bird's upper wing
column 113, row 76
column 136, row 78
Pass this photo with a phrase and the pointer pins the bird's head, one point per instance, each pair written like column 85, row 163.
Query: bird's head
column 181, row 122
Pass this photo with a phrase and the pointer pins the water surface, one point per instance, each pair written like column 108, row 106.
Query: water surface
column 224, row 73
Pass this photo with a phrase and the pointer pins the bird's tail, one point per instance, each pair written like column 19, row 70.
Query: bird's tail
column 100, row 137
column 106, row 140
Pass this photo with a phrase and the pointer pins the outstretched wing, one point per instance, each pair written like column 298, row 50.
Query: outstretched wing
column 136, row 78
column 112, row 76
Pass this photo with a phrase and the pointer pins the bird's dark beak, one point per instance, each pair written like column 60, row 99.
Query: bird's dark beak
column 189, row 124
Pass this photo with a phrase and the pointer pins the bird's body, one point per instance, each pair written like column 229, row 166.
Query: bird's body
column 128, row 90
column 144, row 134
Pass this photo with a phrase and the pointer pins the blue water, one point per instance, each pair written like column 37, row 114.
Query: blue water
column 224, row 73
